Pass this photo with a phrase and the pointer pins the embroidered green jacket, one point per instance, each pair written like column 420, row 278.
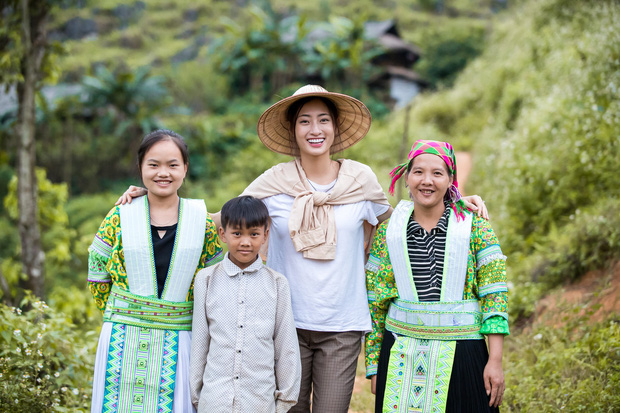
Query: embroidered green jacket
column 485, row 281
column 106, row 261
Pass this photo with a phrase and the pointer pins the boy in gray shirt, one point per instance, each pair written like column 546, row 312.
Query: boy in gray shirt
column 245, row 354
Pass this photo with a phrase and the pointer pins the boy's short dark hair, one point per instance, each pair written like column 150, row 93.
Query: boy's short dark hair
column 245, row 211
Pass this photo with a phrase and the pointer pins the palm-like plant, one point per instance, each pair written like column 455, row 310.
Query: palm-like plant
column 262, row 55
column 342, row 57
column 127, row 99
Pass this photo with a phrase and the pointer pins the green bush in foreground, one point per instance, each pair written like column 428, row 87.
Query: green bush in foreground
column 45, row 363
column 574, row 368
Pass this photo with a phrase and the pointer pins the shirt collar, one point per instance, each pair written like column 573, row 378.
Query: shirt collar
column 232, row 269
column 442, row 224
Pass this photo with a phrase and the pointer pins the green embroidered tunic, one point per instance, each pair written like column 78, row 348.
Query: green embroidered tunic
column 106, row 262
column 485, row 281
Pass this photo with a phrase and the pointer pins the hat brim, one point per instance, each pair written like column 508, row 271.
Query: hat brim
column 353, row 123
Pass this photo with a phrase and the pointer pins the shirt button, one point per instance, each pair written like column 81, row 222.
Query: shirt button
column 241, row 302
column 238, row 351
column 236, row 377
column 240, row 326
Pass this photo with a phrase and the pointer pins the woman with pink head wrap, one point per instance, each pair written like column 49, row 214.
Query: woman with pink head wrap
column 436, row 281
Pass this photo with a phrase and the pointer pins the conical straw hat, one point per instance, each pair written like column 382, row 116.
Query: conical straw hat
column 353, row 121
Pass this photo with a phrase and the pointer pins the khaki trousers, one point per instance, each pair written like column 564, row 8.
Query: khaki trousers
column 328, row 364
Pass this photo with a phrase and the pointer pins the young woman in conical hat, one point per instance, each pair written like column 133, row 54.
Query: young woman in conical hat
column 318, row 208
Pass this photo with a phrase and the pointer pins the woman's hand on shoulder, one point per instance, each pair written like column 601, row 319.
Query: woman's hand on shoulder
column 476, row 204
column 131, row 193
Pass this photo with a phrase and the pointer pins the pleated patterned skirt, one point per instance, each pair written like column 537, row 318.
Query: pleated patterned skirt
column 466, row 392
column 181, row 399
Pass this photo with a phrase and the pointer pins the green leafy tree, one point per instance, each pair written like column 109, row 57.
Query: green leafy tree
column 25, row 63
column 342, row 58
column 263, row 52
column 56, row 237
column 126, row 100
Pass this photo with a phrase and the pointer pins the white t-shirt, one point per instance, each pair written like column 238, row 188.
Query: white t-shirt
column 326, row 295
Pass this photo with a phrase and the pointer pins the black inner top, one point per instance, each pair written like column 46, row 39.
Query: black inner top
column 162, row 251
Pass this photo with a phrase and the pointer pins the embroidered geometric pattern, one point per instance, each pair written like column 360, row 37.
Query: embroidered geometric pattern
column 419, row 373
column 441, row 320
column 499, row 287
column 97, row 270
column 109, row 233
column 141, row 369
column 149, row 312
column 113, row 371
column 373, row 264
column 166, row 396
column 488, row 254
column 101, row 247
column 470, row 332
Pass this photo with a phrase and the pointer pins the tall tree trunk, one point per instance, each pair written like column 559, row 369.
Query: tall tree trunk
column 33, row 257
column 7, row 297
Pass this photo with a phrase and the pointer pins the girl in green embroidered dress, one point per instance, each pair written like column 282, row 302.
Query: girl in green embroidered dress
column 142, row 264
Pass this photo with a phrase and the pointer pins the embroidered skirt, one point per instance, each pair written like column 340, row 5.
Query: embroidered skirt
column 465, row 394
column 180, row 399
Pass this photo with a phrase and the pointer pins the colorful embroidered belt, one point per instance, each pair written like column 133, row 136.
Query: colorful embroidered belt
column 126, row 308
column 459, row 320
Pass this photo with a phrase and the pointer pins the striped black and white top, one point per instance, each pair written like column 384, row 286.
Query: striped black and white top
column 426, row 255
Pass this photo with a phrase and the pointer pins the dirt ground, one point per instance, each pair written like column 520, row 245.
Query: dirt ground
column 598, row 290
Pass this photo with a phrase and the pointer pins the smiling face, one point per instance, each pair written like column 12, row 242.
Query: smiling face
column 314, row 129
column 428, row 181
column 243, row 243
column 162, row 169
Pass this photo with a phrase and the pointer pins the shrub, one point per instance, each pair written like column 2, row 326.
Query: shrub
column 45, row 363
column 573, row 369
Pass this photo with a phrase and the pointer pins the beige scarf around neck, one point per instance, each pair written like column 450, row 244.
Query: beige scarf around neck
column 312, row 225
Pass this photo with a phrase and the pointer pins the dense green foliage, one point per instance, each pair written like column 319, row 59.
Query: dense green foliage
column 448, row 50
column 547, row 141
column 573, row 368
column 45, row 363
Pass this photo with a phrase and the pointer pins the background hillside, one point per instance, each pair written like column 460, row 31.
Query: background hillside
column 529, row 88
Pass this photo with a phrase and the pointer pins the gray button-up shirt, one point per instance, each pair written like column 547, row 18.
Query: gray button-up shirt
column 245, row 354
